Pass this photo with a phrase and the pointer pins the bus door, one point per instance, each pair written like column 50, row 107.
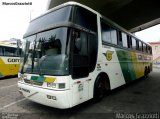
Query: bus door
column 80, row 66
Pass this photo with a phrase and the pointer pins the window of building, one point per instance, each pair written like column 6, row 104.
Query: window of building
column 150, row 50
column 156, row 47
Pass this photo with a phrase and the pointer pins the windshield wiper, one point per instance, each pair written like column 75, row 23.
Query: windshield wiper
column 33, row 54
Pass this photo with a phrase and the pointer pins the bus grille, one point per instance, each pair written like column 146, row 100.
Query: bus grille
column 33, row 82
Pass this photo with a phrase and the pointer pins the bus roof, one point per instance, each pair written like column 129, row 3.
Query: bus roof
column 8, row 45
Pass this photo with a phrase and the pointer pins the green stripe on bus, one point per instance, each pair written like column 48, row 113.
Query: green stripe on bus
column 38, row 78
column 126, row 64
column 34, row 77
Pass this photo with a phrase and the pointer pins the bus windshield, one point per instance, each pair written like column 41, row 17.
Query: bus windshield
column 46, row 53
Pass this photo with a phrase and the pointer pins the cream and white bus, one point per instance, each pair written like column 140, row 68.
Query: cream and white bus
column 9, row 60
column 73, row 54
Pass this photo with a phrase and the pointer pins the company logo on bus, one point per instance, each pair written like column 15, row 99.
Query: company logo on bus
column 108, row 55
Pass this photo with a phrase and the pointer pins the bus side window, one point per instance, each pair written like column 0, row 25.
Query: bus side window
column 1, row 51
column 140, row 46
column 113, row 36
column 137, row 44
column 129, row 41
column 144, row 48
column 124, row 40
column 120, row 38
column 106, row 34
column 86, row 19
column 134, row 43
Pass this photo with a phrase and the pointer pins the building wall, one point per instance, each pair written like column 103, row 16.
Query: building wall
column 155, row 49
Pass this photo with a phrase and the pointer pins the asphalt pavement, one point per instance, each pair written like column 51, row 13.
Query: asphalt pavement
column 138, row 99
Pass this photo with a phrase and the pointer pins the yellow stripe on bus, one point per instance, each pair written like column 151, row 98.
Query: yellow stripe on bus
column 49, row 79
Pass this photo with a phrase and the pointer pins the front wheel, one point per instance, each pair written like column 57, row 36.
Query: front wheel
column 100, row 89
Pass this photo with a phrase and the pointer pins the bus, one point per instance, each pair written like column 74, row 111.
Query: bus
column 9, row 60
column 73, row 54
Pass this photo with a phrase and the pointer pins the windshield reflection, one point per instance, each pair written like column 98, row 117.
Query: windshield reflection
column 46, row 53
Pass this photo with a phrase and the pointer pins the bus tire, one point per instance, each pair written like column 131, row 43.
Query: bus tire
column 146, row 73
column 101, row 87
column 149, row 70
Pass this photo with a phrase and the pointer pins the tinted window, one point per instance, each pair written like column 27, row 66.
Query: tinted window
column 92, row 49
column 113, row 36
column 80, row 44
column 18, row 52
column 137, row 45
column 120, row 38
column 129, row 41
column 46, row 53
column 134, row 43
column 109, row 34
column 58, row 16
column 1, row 50
column 86, row 19
column 140, row 45
column 124, row 40
column 80, row 56
column 144, row 47
column 106, row 34
column 9, row 51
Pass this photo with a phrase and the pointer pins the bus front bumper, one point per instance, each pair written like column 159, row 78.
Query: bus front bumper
column 52, row 98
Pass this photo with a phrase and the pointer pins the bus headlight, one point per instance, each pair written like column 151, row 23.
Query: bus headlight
column 61, row 85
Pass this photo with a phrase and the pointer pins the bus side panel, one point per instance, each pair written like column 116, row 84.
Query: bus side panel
column 137, row 64
column 127, row 66
column 8, row 68
column 111, row 66
column 132, row 64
